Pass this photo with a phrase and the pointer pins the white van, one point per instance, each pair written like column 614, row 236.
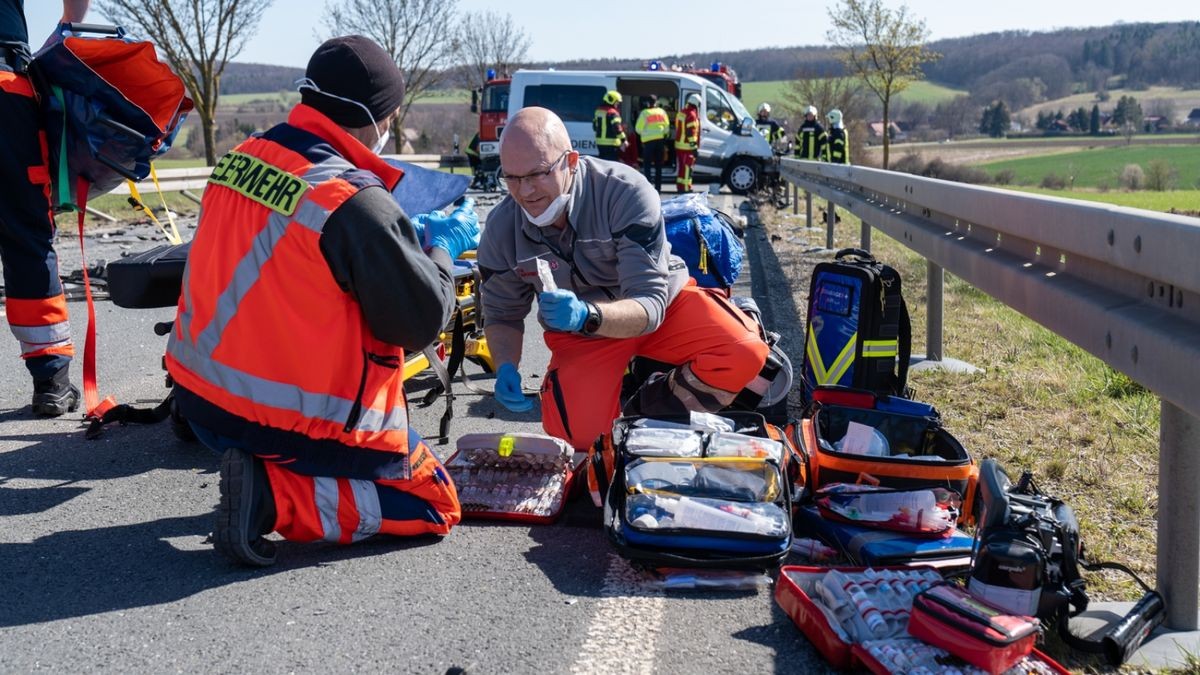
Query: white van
column 732, row 150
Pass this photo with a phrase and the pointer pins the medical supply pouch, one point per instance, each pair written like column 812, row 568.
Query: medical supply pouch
column 920, row 512
column 512, row 476
column 152, row 278
column 728, row 508
column 705, row 239
column 728, row 434
column 843, row 444
column 858, row 332
column 876, row 547
column 947, row 616
column 110, row 107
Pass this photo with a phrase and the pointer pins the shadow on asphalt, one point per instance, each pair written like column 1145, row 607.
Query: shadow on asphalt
column 792, row 649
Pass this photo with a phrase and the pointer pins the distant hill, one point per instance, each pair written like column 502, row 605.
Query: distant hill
column 1021, row 67
column 255, row 78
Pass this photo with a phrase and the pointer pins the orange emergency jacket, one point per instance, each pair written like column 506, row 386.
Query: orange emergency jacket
column 263, row 330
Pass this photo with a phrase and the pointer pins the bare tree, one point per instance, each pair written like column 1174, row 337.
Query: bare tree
column 489, row 40
column 198, row 38
column 884, row 48
column 421, row 36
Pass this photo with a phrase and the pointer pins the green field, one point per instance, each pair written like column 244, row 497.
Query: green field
column 773, row 92
column 1180, row 200
column 1100, row 167
column 231, row 100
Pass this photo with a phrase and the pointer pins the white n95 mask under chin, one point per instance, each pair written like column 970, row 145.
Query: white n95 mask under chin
column 552, row 212
column 381, row 144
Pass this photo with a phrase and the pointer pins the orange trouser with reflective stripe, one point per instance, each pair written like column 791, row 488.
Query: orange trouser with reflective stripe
column 35, row 306
column 684, row 161
column 345, row 510
column 582, row 388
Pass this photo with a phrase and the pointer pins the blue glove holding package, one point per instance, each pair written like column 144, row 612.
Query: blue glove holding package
column 456, row 232
column 508, row 389
column 562, row 310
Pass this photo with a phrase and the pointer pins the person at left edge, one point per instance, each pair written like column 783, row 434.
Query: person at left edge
column 305, row 285
column 35, row 304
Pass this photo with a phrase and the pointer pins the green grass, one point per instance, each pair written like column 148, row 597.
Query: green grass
column 773, row 92
column 234, row 100
column 1101, row 166
column 1179, row 200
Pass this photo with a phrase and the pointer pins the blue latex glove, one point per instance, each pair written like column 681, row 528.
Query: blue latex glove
column 508, row 389
column 562, row 310
column 457, row 232
column 418, row 222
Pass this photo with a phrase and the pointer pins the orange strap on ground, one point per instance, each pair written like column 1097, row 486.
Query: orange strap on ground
column 91, row 395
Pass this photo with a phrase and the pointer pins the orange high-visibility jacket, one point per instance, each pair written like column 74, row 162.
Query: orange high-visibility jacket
column 263, row 330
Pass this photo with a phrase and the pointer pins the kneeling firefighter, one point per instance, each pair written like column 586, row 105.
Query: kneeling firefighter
column 305, row 285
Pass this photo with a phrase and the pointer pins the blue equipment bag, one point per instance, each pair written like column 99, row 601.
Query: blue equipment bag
column 705, row 239
column 110, row 107
column 875, row 548
column 858, row 333
column 679, row 505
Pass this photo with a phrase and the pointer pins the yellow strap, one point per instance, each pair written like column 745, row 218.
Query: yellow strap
column 170, row 215
column 136, row 200
column 703, row 256
column 842, row 363
column 880, row 348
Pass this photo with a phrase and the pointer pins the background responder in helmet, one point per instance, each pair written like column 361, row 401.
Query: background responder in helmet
column 610, row 131
column 771, row 129
column 288, row 347
column 653, row 127
column 600, row 227
column 839, row 141
column 687, row 140
column 810, row 137
column 34, row 300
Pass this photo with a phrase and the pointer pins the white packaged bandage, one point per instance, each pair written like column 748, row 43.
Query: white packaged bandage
column 546, row 276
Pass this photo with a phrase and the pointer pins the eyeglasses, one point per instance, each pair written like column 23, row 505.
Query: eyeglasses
column 513, row 183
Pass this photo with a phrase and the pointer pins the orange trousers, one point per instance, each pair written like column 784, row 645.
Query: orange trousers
column 582, row 388
column 344, row 510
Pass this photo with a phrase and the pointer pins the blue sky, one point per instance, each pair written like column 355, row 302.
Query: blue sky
column 288, row 34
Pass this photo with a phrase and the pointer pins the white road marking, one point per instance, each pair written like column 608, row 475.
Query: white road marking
column 623, row 635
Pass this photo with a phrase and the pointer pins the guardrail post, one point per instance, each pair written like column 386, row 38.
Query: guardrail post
column 795, row 199
column 1179, row 516
column 935, row 276
column 864, row 237
column 808, row 209
column 830, row 221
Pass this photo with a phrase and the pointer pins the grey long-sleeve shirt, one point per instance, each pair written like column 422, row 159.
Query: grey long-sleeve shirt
column 372, row 250
column 615, row 239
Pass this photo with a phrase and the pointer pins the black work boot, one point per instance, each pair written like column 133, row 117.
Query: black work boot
column 55, row 395
column 246, row 510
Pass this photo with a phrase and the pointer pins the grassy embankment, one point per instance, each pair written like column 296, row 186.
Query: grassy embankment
column 1088, row 433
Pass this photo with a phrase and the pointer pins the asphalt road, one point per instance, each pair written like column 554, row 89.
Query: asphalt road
column 105, row 564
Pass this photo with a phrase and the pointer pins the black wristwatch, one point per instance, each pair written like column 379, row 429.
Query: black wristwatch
column 592, row 323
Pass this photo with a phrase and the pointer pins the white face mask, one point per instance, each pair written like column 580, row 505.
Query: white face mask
column 552, row 212
column 381, row 144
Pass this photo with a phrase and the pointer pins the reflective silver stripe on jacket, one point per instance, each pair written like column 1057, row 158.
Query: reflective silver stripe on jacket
column 199, row 358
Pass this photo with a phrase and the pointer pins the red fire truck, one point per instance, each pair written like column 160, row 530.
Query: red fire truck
column 720, row 74
column 491, row 102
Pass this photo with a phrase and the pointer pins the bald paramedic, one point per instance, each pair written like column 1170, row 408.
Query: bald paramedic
column 616, row 291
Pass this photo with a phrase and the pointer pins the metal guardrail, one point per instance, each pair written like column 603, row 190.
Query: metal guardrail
column 1121, row 283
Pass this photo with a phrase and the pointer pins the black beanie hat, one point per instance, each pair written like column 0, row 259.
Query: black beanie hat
column 357, row 68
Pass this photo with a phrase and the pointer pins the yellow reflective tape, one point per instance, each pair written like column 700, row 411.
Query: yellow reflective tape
column 814, row 356
column 842, row 363
column 880, row 348
column 260, row 182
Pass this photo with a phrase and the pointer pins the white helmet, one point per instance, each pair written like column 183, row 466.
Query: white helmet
column 811, row 110
column 764, row 108
column 835, row 117
column 694, row 99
